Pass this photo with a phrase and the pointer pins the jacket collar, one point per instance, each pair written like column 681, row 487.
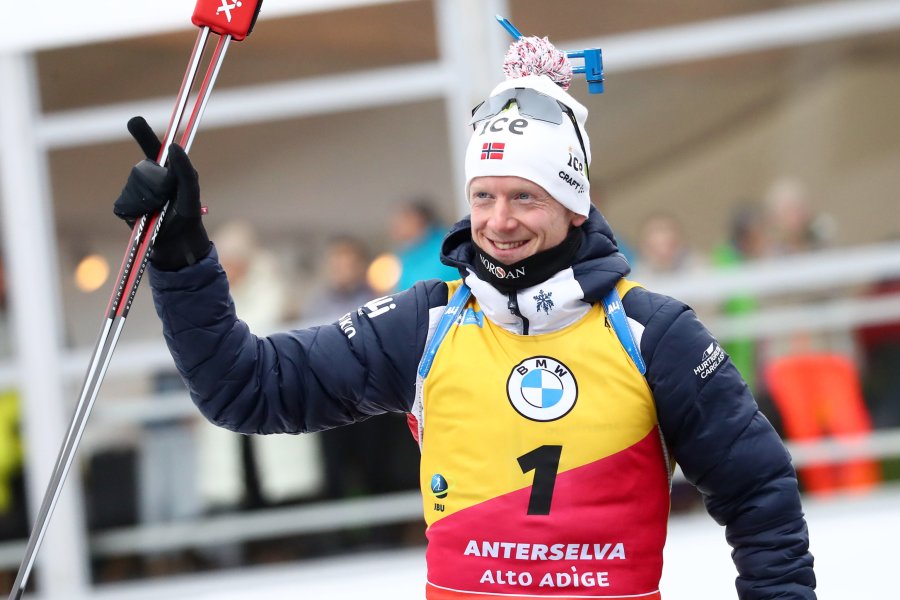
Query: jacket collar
column 554, row 303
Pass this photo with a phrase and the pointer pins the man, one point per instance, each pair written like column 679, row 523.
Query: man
column 547, row 419
column 418, row 234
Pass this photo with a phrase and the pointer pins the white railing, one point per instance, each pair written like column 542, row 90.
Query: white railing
column 822, row 271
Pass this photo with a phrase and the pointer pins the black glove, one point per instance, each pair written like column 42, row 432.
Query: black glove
column 182, row 240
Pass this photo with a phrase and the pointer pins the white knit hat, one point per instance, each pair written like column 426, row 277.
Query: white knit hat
column 514, row 142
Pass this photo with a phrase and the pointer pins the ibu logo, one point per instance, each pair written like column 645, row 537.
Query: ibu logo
column 439, row 486
column 542, row 388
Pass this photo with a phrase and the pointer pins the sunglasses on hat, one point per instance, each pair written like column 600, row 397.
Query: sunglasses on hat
column 531, row 103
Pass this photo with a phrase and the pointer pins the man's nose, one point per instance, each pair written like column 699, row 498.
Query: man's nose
column 501, row 216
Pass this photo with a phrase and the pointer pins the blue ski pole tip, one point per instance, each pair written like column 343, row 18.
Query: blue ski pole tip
column 509, row 27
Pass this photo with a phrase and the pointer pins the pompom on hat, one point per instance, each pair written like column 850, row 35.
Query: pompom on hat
column 530, row 127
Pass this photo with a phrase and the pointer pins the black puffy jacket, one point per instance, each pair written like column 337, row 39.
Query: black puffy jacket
column 365, row 364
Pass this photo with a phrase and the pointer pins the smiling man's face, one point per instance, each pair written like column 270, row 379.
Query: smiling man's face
column 513, row 218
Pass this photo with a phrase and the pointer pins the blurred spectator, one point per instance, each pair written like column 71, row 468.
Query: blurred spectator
column 255, row 471
column 12, row 514
column 343, row 286
column 795, row 226
column 13, row 521
column 378, row 455
column 811, row 375
column 165, row 479
column 168, row 464
column 663, row 248
column 748, row 236
column 599, row 199
column 417, row 233
column 626, row 249
column 819, row 395
column 748, row 240
column 880, row 346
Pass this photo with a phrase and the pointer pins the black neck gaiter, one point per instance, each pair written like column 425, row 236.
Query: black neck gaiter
column 528, row 271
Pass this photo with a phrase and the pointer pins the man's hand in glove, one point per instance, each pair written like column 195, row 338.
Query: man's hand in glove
column 182, row 240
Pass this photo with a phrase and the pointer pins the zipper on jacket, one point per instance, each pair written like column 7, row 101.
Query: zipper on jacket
column 513, row 306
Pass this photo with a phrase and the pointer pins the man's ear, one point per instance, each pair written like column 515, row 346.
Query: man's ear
column 578, row 220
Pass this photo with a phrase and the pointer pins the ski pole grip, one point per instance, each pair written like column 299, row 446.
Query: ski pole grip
column 227, row 17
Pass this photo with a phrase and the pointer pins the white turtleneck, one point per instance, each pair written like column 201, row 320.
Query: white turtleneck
column 548, row 306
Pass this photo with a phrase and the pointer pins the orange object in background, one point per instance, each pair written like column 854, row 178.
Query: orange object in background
column 818, row 396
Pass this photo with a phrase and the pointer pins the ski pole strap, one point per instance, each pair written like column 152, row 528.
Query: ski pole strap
column 454, row 308
column 615, row 312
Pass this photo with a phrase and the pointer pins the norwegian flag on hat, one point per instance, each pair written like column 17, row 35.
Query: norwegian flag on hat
column 492, row 150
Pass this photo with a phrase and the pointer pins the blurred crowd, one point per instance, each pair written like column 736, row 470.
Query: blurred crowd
column 810, row 384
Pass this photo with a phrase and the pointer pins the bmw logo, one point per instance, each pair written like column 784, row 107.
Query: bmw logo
column 541, row 388
column 439, row 486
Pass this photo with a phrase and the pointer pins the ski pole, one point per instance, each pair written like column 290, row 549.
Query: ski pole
column 82, row 409
column 229, row 24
